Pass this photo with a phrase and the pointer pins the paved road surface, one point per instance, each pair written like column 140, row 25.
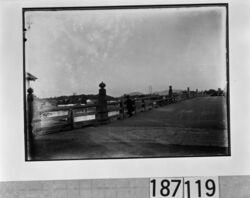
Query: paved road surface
column 195, row 127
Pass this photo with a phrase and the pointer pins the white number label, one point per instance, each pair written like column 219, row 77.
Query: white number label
column 189, row 187
column 201, row 187
column 166, row 187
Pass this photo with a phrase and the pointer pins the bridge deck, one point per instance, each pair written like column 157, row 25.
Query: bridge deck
column 195, row 127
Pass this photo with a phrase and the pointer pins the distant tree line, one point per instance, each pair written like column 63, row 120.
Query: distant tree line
column 82, row 98
column 213, row 92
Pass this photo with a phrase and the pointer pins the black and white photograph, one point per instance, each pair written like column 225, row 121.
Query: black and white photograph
column 118, row 82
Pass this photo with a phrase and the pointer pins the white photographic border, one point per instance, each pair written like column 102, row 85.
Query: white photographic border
column 12, row 150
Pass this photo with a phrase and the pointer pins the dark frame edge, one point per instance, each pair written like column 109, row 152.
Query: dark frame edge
column 228, row 80
column 24, row 85
column 111, row 7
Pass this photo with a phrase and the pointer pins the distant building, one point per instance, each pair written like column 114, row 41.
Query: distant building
column 220, row 92
column 29, row 77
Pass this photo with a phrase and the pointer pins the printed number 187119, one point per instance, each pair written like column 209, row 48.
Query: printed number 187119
column 189, row 187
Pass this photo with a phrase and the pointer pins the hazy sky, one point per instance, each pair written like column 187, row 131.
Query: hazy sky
column 129, row 50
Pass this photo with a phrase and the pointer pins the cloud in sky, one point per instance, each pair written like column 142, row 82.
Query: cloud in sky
column 73, row 51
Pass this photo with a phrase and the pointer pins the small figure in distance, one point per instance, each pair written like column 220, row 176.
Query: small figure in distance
column 143, row 104
column 121, row 111
column 130, row 106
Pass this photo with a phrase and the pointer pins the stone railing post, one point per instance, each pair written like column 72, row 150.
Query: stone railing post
column 121, row 110
column 71, row 118
column 102, row 105
column 188, row 92
column 170, row 91
column 29, row 129
column 170, row 94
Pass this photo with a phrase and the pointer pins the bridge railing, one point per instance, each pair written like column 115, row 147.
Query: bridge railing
column 42, row 121
column 67, row 118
